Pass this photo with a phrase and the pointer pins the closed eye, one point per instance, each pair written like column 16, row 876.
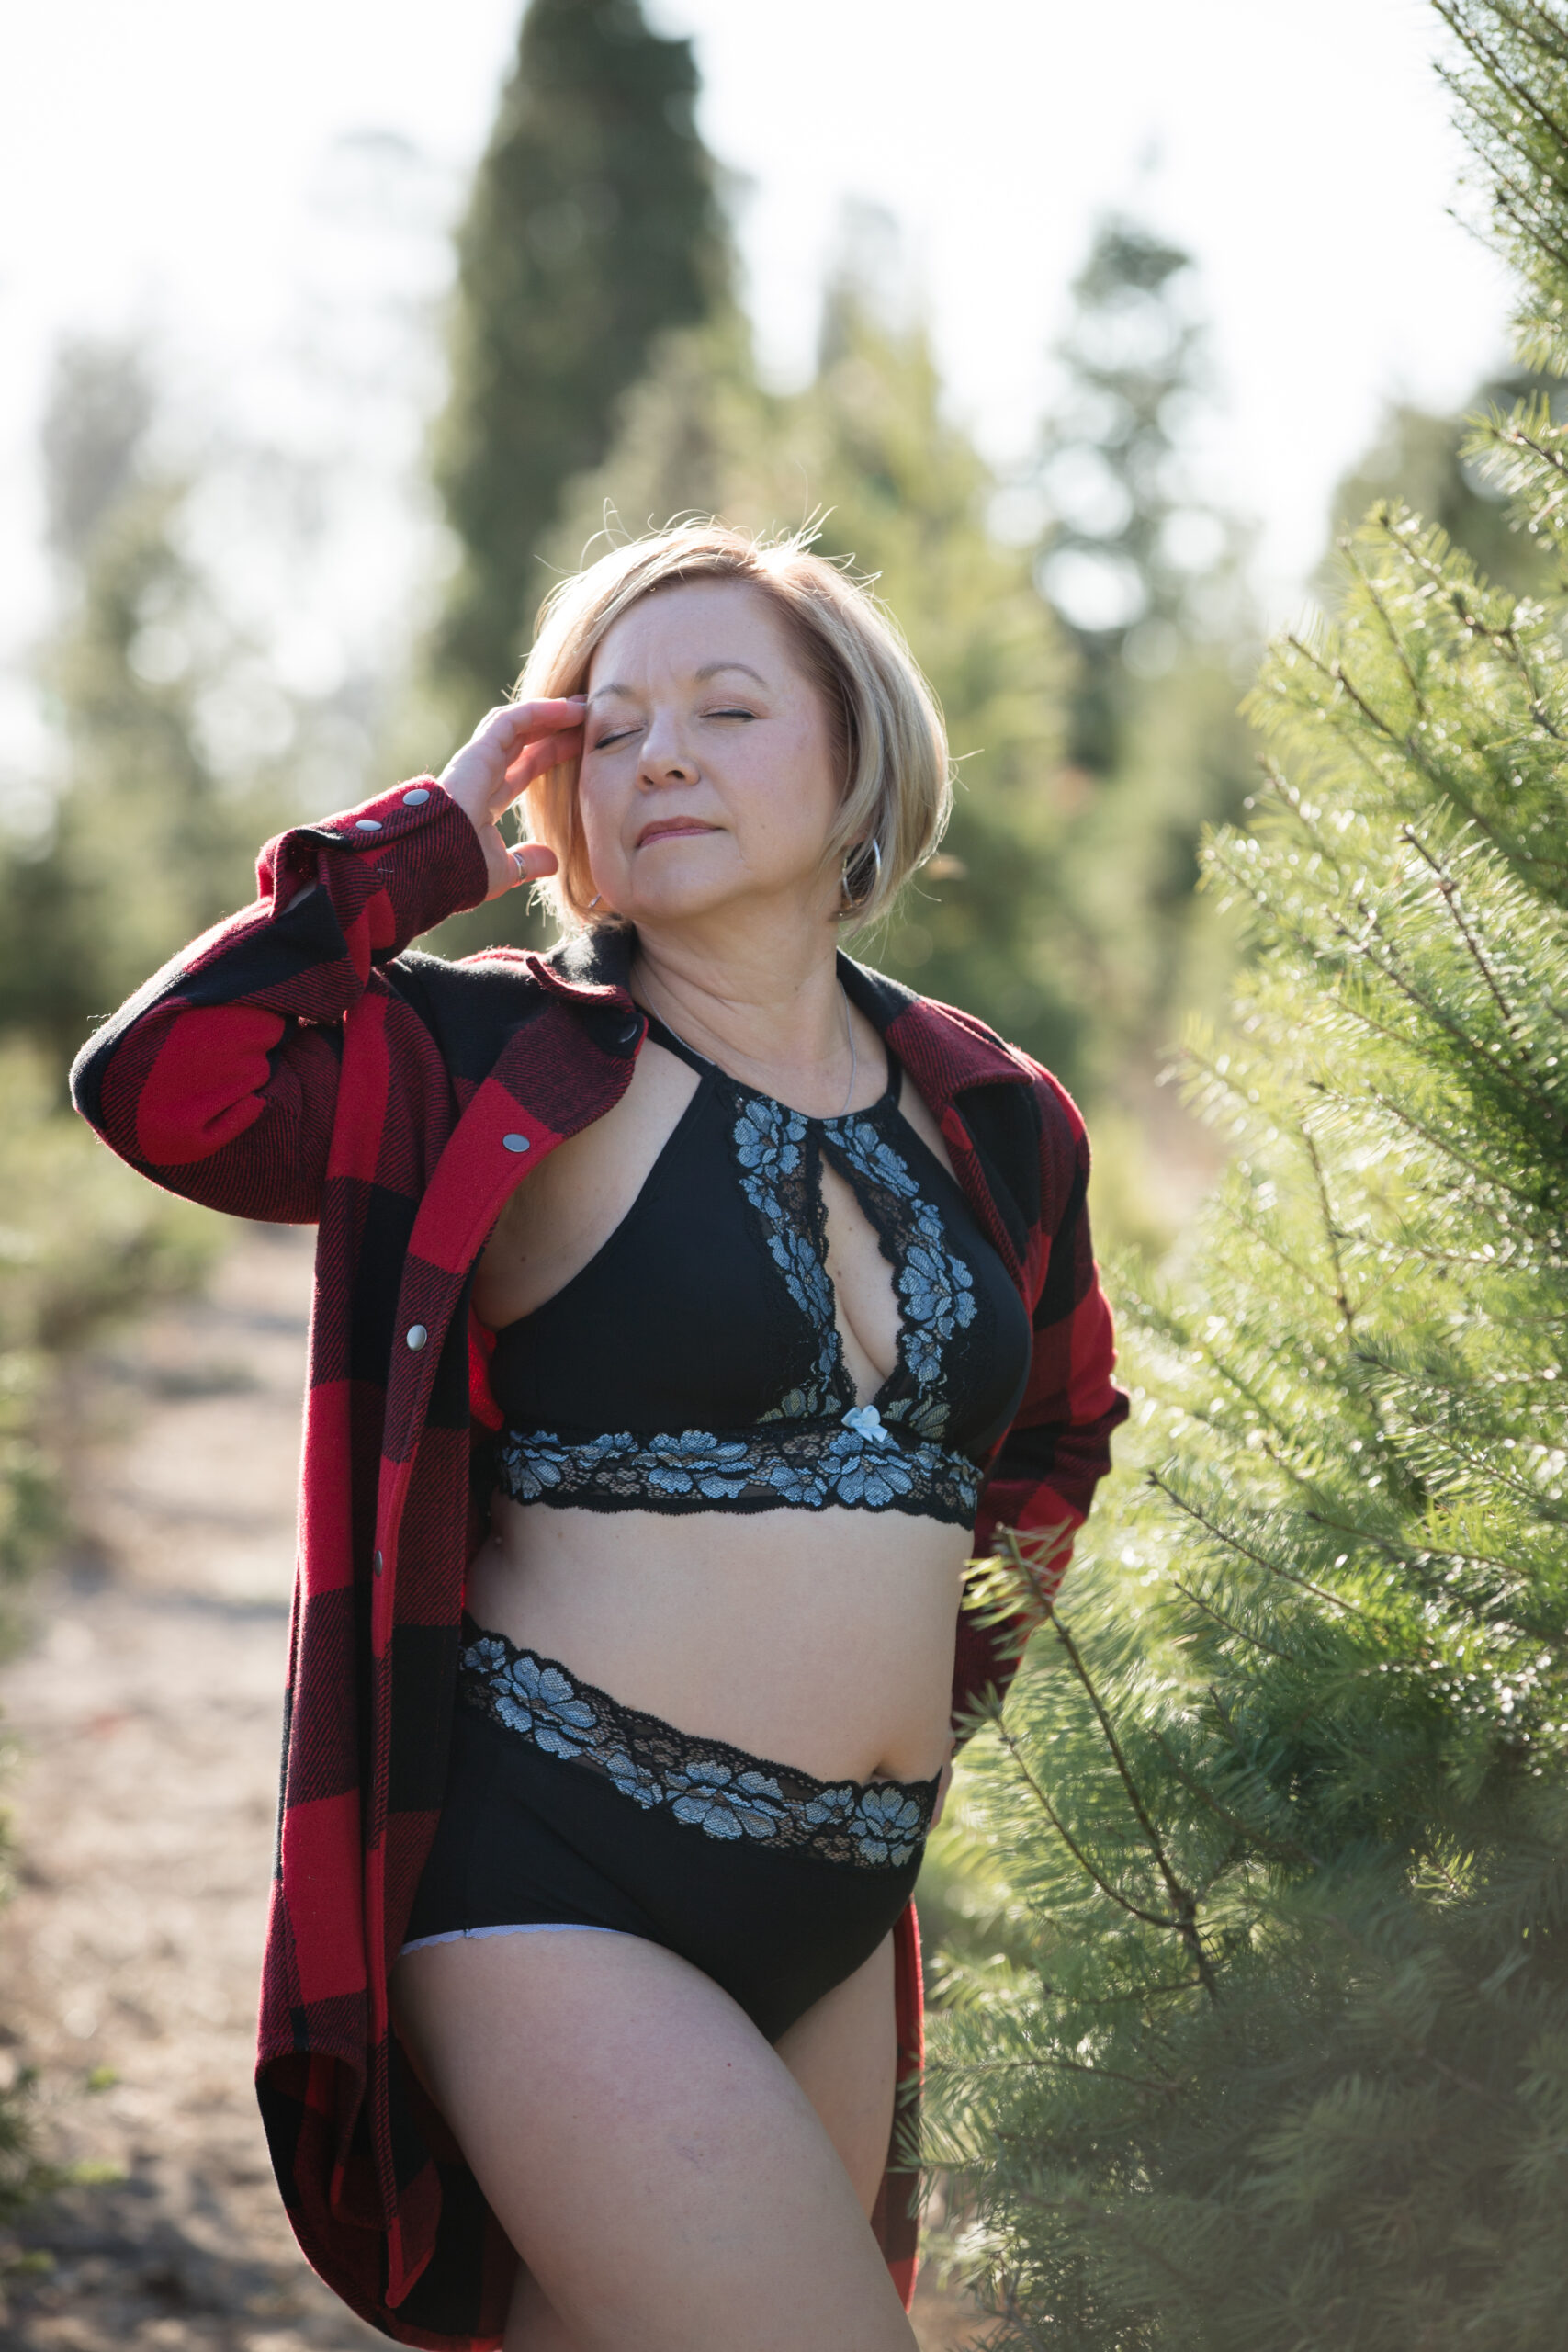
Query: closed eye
column 616, row 735
column 737, row 713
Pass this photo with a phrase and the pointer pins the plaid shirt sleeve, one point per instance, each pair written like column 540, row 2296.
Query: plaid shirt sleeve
column 1042, row 1477
column 219, row 1079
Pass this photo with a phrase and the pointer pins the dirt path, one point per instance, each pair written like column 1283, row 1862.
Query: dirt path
column 146, row 1712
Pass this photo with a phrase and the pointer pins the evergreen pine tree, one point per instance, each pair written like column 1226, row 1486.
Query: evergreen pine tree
column 592, row 225
column 1269, row 2049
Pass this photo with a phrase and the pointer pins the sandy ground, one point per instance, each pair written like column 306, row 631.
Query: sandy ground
column 146, row 1713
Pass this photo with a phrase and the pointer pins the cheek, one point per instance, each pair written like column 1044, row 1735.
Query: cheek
column 597, row 798
column 806, row 796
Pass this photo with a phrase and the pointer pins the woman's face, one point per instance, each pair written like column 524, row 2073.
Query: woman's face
column 708, row 775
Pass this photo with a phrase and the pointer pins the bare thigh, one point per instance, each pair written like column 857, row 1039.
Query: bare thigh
column 660, row 2168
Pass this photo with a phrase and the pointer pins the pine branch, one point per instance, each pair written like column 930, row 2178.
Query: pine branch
column 1340, row 1294
column 1400, row 1554
column 1163, row 2088
column 1338, row 675
column 1286, row 1849
column 1409, row 746
column 1112, row 2219
column 1271, row 1568
column 1477, row 624
column 1184, row 1902
column 1518, row 206
column 1497, row 71
column 1447, row 891
column 1308, row 1280
column 1352, row 557
column 1407, row 2041
column 1553, row 45
column 1386, row 965
column 1486, row 1176
column 1111, row 1893
column 1239, row 1633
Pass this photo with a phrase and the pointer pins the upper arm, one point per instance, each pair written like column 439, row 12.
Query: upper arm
column 232, row 1105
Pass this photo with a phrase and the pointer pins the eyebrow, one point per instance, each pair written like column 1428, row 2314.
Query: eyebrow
column 709, row 670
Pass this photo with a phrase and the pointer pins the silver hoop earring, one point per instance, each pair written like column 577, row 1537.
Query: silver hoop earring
column 850, row 898
column 594, row 901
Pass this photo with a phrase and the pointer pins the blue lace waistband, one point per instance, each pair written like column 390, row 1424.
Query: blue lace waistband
column 704, row 1783
column 856, row 1462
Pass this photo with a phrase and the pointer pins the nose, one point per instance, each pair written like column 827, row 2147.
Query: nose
column 666, row 753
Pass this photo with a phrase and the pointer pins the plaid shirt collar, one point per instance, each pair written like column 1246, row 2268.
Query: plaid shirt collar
column 944, row 1051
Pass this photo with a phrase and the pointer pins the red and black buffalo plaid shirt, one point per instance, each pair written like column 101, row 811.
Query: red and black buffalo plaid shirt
column 297, row 1064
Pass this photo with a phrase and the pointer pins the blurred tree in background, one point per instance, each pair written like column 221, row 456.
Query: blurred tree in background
column 142, row 848
column 865, row 454
column 1061, row 909
column 148, row 842
column 1274, row 2050
column 1139, row 568
column 1146, row 577
column 594, row 393
column 592, row 225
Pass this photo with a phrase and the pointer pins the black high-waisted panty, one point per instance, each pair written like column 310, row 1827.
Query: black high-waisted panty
column 565, row 1809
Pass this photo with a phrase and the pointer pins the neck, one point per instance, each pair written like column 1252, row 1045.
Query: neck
column 768, row 1009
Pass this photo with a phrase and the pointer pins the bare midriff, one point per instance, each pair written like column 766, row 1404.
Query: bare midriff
column 822, row 1639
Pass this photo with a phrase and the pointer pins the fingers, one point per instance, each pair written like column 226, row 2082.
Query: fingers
column 527, row 862
column 541, row 753
column 533, row 861
column 514, row 722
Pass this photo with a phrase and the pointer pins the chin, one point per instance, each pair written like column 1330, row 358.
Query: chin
column 676, row 901
column 680, row 884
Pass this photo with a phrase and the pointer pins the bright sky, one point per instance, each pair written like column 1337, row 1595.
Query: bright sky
column 180, row 166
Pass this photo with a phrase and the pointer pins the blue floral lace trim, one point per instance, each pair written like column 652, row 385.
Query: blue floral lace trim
column 854, row 1461
column 935, row 1288
column 704, row 1783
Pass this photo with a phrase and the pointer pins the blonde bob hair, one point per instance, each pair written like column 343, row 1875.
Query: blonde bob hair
column 887, row 730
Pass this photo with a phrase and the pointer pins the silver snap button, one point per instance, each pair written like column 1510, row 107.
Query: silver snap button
column 416, row 1336
column 417, row 798
column 378, row 1564
column 515, row 1143
column 368, row 824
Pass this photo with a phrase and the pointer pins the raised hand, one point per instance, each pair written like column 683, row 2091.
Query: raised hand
column 506, row 752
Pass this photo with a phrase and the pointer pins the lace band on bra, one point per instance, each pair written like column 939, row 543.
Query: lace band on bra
column 808, row 1465
column 704, row 1783
column 696, row 1363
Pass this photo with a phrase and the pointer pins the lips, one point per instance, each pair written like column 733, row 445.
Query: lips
column 671, row 828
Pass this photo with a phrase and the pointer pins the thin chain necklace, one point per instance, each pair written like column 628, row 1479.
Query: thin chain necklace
column 849, row 1032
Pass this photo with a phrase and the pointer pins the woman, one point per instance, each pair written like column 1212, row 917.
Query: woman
column 743, row 1294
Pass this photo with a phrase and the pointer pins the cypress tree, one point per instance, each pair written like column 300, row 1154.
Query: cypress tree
column 592, row 225
column 1267, row 2047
